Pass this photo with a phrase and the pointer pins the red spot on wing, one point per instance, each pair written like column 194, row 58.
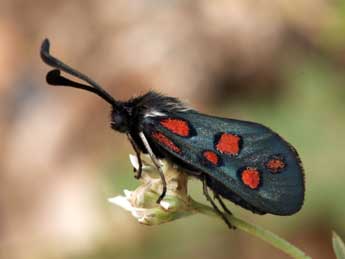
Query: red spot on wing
column 211, row 157
column 251, row 178
column 275, row 165
column 176, row 126
column 229, row 144
column 166, row 141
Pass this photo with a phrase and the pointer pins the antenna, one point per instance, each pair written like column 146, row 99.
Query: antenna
column 54, row 76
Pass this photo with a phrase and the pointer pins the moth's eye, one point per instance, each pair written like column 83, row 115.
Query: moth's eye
column 119, row 121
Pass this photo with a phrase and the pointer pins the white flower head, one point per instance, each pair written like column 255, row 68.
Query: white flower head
column 142, row 201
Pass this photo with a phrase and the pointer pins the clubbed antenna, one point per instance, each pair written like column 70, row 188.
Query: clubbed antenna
column 54, row 76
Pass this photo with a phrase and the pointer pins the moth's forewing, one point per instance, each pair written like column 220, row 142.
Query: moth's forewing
column 266, row 173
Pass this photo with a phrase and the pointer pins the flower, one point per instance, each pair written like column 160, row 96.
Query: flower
column 142, row 201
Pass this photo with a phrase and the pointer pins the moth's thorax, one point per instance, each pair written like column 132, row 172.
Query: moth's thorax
column 129, row 115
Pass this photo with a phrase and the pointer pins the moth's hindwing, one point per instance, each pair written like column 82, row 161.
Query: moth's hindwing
column 241, row 158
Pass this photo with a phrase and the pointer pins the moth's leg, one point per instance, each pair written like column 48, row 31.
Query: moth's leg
column 137, row 152
column 157, row 164
column 208, row 197
column 221, row 202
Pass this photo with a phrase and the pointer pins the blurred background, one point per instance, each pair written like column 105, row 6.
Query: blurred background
column 280, row 63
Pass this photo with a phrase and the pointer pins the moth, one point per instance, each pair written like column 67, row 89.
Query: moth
column 244, row 162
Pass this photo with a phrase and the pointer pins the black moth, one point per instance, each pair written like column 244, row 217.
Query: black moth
column 242, row 161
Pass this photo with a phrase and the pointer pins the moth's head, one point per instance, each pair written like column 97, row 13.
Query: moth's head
column 120, row 119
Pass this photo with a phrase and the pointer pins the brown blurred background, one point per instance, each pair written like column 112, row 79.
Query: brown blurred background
column 281, row 63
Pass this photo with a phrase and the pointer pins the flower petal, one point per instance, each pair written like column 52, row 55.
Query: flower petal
column 134, row 161
column 121, row 201
column 165, row 205
column 127, row 193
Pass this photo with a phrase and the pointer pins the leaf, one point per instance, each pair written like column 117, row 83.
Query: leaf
column 338, row 246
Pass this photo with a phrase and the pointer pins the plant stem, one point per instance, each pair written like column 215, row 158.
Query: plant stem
column 259, row 232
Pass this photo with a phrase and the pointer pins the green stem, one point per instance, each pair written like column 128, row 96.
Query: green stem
column 259, row 232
